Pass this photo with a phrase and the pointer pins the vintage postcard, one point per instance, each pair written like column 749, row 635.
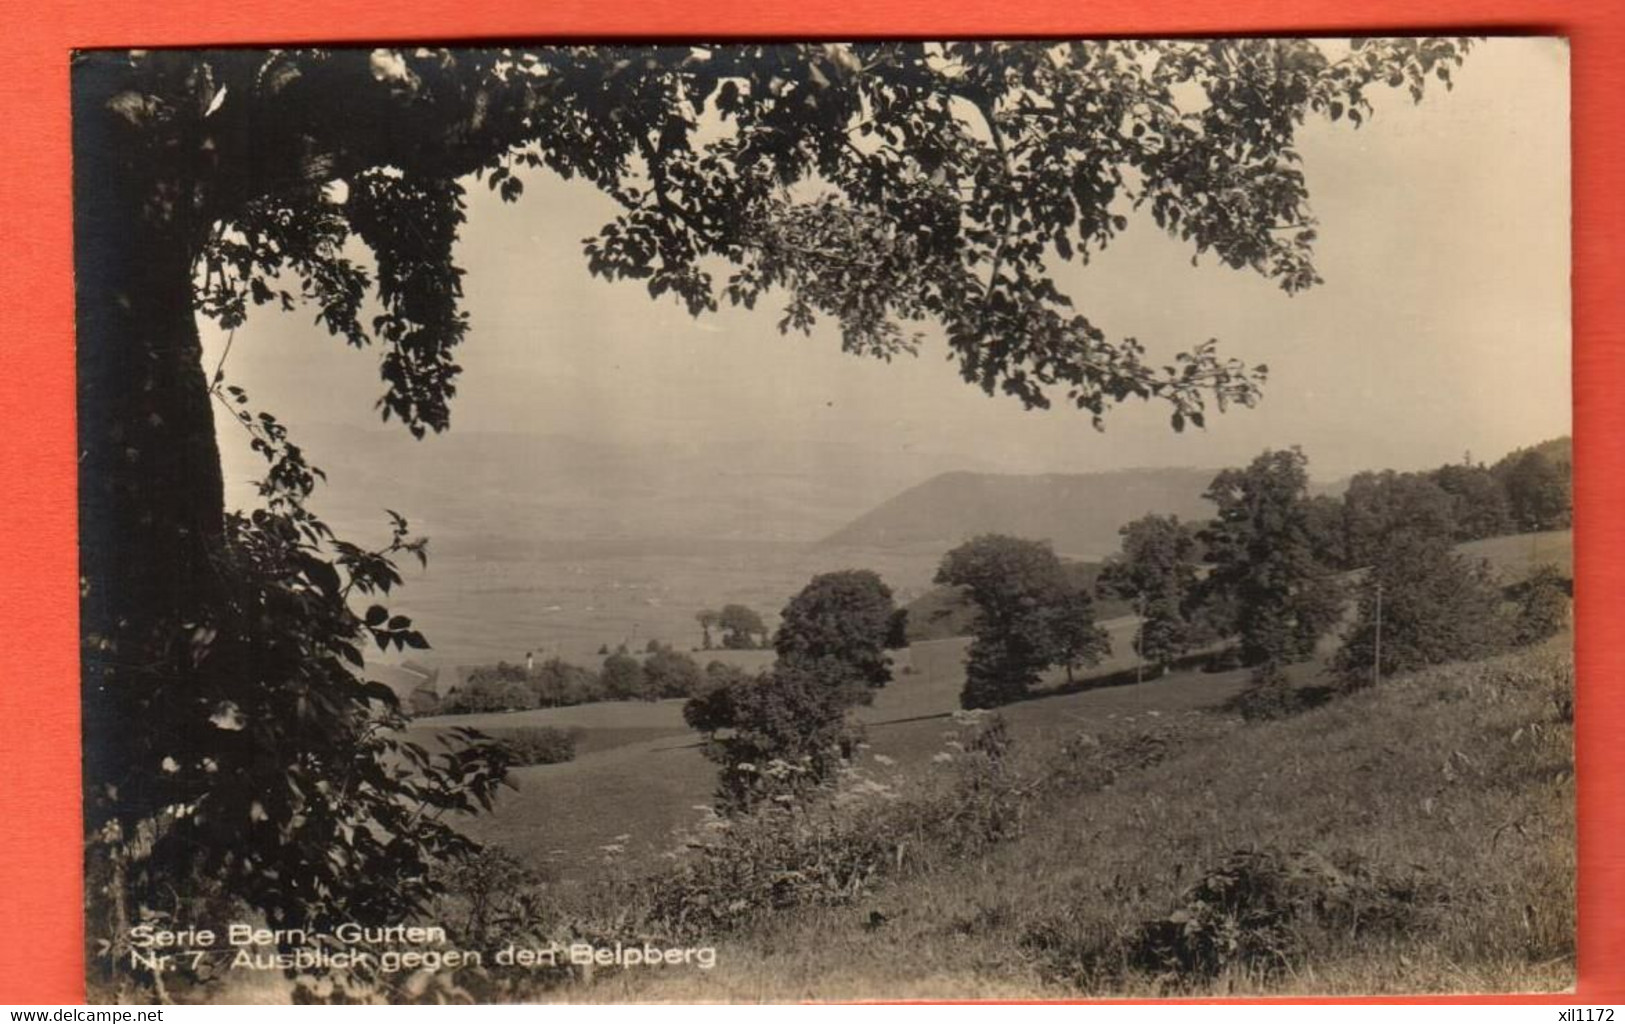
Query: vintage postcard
column 816, row 521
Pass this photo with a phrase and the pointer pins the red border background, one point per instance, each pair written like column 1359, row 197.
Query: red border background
column 40, row 881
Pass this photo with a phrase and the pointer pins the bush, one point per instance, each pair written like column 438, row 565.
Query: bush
column 540, row 744
column 1257, row 911
column 1256, row 914
column 774, row 857
column 489, row 693
column 1543, row 606
column 1433, row 605
column 988, row 791
column 786, row 717
column 671, row 674
column 490, row 899
column 1269, row 697
column 622, row 677
column 559, row 683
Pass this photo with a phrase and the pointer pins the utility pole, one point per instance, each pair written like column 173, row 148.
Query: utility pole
column 1376, row 654
column 1139, row 635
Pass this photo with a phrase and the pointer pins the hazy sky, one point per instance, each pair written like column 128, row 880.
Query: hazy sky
column 1443, row 324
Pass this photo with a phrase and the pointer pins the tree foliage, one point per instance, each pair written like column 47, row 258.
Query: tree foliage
column 742, row 628
column 785, row 734
column 949, row 176
column 1157, row 570
column 1383, row 509
column 1543, row 602
column 268, row 772
column 668, row 674
column 1433, row 606
column 838, row 628
column 711, row 707
column 1537, row 489
column 1481, row 508
column 707, row 618
column 1262, row 551
column 779, row 734
column 488, row 694
column 622, row 677
column 782, row 733
column 1030, row 615
column 559, row 683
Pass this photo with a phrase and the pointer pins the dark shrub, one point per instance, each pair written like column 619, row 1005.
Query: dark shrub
column 1269, row 697
column 1431, row 606
column 558, row 683
column 1543, row 606
column 622, row 677
column 540, row 744
column 1260, row 911
column 489, row 693
column 785, row 733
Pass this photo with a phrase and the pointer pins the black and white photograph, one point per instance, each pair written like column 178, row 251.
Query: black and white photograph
column 825, row 521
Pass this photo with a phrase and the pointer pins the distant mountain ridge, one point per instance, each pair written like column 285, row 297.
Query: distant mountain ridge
column 495, row 493
column 1078, row 513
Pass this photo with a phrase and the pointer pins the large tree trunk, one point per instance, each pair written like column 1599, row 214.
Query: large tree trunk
column 150, row 496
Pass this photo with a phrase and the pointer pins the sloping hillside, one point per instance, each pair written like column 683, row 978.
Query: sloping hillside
column 1415, row 837
column 1078, row 513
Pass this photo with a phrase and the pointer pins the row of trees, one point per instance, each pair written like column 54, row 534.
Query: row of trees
column 1528, row 490
column 1273, row 566
column 1252, row 573
column 662, row 674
